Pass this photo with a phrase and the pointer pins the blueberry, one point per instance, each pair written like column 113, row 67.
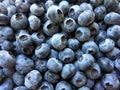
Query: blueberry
column 86, row 18
column 96, row 3
column 22, row 6
column 63, row 85
column 90, row 83
column 118, row 43
column 100, row 12
column 50, row 28
column 4, row 20
column 37, row 9
column 51, row 77
column 85, row 62
column 23, row 64
column 79, row 79
column 55, row 14
column 40, row 65
column 34, row 22
column 46, row 85
column 112, row 18
column 111, row 5
column 78, row 53
column 69, row 25
column 18, row 79
column 42, row 50
column 85, row 6
column 3, row 9
column 110, row 82
column 53, row 54
column 84, row 88
column 90, row 47
column 7, row 84
column 7, row 60
column 113, row 32
column 1, row 74
column 18, row 21
column 33, row 79
column 67, row 55
column 20, row 88
column 73, row 43
column 117, row 64
column 68, row 71
column 74, row 11
column 48, row 3
column 64, row 5
column 98, row 86
column 101, row 36
column 8, row 72
column 54, row 65
column 59, row 41
column 94, row 72
column 38, row 37
column 82, row 34
column 104, row 63
column 107, row 45
column 115, row 53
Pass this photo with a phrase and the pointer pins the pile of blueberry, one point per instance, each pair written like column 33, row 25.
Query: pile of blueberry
column 59, row 44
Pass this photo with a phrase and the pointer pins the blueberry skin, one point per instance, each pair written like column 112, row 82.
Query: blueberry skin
column 110, row 82
column 7, row 60
column 94, row 72
column 118, row 43
column 96, row 3
column 117, row 64
column 34, row 22
column 86, row 18
column 40, row 65
column 8, row 72
column 1, row 74
column 24, row 39
column 11, row 10
column 82, row 34
column 90, row 47
column 105, row 62
column 22, row 6
column 54, row 65
column 64, row 5
column 4, row 20
column 3, row 9
column 51, row 77
column 78, row 54
column 98, row 86
column 33, row 79
column 48, row 4
column 74, row 11
column 7, row 84
column 85, row 62
column 100, row 12
column 63, row 85
column 111, row 5
column 107, row 45
column 90, row 83
column 56, row 15
column 101, row 36
column 37, row 9
column 79, row 79
column 69, row 25
column 24, row 64
column 50, row 28
column 38, row 38
column 53, row 54
column 59, row 41
column 73, row 43
column 18, row 21
column 18, row 79
column 42, row 51
column 46, row 85
column 115, row 53
column 112, row 18
column 68, row 71
column 67, row 55
column 84, row 88
column 20, row 88
column 85, row 6
column 113, row 32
